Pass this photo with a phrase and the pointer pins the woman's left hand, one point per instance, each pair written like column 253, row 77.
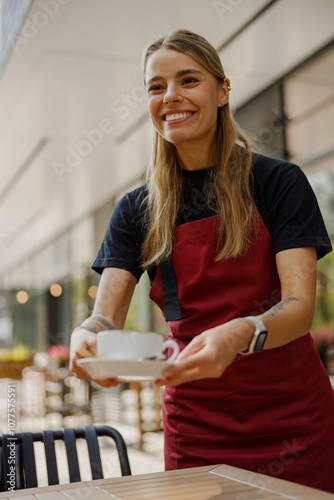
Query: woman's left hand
column 209, row 354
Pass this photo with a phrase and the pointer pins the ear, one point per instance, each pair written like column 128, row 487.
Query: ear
column 223, row 92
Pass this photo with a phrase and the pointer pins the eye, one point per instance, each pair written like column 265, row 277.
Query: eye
column 154, row 88
column 189, row 80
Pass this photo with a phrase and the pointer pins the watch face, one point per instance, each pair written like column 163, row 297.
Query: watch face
column 260, row 341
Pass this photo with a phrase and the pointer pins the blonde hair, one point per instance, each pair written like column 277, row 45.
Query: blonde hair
column 229, row 192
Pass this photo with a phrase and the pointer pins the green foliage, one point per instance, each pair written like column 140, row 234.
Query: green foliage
column 324, row 311
column 323, row 185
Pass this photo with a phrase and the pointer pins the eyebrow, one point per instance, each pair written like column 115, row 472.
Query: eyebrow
column 183, row 72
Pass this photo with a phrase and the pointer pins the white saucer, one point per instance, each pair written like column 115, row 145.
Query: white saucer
column 101, row 369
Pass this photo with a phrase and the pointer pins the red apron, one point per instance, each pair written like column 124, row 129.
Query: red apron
column 270, row 412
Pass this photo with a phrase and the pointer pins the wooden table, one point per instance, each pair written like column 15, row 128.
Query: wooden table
column 220, row 482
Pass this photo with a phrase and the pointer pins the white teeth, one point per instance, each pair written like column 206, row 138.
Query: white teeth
column 177, row 116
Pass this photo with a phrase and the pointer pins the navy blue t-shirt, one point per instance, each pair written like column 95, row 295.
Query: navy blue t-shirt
column 282, row 194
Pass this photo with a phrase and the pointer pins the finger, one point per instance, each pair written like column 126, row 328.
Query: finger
column 84, row 353
column 92, row 347
column 194, row 374
column 183, row 365
column 79, row 373
column 195, row 346
column 110, row 382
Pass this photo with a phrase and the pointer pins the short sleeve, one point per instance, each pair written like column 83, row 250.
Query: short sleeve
column 289, row 207
column 121, row 246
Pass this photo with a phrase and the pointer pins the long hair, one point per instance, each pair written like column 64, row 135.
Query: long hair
column 229, row 186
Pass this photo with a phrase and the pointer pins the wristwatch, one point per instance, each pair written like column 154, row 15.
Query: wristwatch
column 259, row 336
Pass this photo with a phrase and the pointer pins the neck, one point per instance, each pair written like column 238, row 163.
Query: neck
column 193, row 157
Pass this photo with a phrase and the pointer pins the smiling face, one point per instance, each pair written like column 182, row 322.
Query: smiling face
column 183, row 98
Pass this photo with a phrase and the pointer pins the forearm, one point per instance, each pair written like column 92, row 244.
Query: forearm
column 113, row 300
column 97, row 323
column 288, row 320
column 292, row 317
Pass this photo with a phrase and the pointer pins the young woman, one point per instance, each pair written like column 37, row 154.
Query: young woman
column 230, row 240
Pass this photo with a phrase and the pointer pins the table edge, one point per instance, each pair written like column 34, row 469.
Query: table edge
column 288, row 489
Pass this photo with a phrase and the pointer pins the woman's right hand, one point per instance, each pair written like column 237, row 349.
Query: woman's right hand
column 111, row 306
column 83, row 345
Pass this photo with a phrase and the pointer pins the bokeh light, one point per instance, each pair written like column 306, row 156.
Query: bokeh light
column 22, row 297
column 92, row 291
column 56, row 290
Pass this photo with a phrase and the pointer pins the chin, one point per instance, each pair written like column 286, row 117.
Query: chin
column 177, row 138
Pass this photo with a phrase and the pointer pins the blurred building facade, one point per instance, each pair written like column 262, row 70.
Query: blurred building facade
column 75, row 132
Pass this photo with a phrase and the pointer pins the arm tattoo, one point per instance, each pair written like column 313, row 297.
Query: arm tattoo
column 97, row 324
column 274, row 311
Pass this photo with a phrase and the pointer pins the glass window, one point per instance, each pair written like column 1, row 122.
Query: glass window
column 263, row 118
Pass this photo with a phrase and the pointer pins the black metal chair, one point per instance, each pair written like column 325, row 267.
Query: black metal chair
column 18, row 465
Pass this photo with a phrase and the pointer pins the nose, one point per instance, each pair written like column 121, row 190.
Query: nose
column 171, row 95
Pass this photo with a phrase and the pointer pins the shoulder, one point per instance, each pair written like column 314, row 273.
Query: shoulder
column 133, row 199
column 131, row 206
column 267, row 169
column 288, row 205
column 276, row 180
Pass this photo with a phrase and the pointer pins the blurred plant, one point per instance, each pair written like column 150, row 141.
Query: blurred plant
column 324, row 311
column 17, row 353
column 58, row 352
column 58, row 356
column 323, row 185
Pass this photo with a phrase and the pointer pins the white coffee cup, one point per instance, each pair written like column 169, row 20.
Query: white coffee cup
column 122, row 345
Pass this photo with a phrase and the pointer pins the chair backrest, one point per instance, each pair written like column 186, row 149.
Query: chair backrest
column 18, row 465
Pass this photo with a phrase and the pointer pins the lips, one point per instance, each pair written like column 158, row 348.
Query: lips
column 180, row 115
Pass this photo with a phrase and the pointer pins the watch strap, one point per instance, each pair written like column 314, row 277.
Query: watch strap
column 259, row 336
